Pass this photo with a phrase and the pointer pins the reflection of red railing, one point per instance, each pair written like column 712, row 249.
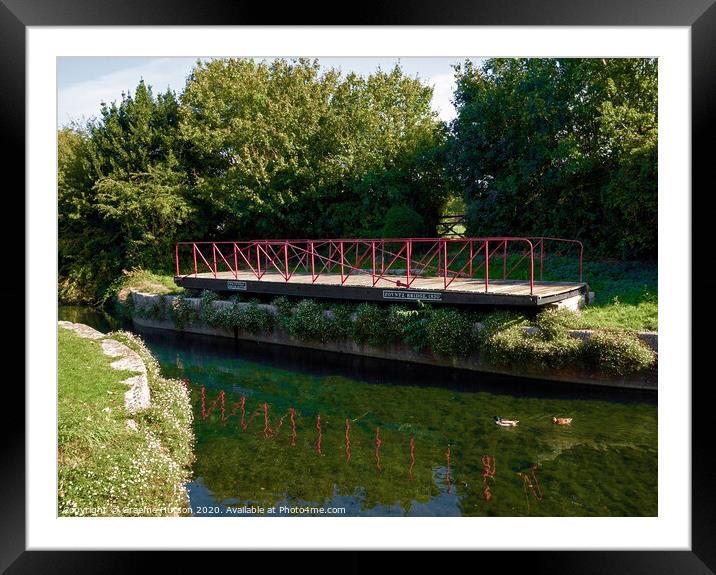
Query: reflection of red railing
column 381, row 259
column 530, row 482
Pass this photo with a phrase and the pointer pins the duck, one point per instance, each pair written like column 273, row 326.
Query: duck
column 505, row 422
column 562, row 420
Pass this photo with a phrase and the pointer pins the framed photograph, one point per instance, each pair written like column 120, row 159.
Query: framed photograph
column 388, row 283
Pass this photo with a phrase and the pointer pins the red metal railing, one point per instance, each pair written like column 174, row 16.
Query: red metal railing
column 381, row 259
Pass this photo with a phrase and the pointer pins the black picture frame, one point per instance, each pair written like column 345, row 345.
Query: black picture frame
column 699, row 15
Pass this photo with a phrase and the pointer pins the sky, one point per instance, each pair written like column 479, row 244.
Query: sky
column 83, row 83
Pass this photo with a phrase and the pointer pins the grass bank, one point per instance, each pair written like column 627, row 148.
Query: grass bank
column 107, row 467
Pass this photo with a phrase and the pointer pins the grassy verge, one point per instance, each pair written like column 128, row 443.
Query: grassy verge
column 144, row 281
column 626, row 296
column 105, row 468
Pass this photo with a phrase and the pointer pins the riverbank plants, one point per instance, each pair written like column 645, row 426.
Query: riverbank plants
column 500, row 338
column 111, row 462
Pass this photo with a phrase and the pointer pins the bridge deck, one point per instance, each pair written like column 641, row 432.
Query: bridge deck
column 359, row 287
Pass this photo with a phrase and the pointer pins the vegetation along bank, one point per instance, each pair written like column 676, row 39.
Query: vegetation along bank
column 125, row 437
column 545, row 346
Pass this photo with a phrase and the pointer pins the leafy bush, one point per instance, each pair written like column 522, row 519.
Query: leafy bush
column 373, row 326
column 368, row 324
column 284, row 309
column 308, row 321
column 450, row 333
column 512, row 346
column 342, row 320
column 402, row 222
column 207, row 313
column 252, row 318
column 617, row 353
column 498, row 321
column 414, row 326
column 553, row 324
column 181, row 312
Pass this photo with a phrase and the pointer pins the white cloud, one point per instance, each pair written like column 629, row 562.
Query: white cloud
column 443, row 86
column 83, row 100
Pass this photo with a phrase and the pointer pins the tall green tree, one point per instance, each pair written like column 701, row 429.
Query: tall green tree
column 280, row 148
column 122, row 192
column 563, row 147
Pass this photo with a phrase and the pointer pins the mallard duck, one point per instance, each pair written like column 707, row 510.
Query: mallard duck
column 562, row 420
column 505, row 422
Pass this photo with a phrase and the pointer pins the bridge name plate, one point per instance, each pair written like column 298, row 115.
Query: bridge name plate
column 235, row 285
column 412, row 295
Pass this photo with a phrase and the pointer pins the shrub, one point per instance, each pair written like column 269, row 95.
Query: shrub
column 498, row 321
column 379, row 327
column 308, row 321
column 617, row 353
column 285, row 310
column 512, row 346
column 181, row 311
column 252, row 318
column 415, row 332
column 554, row 323
column 207, row 313
column 370, row 325
column 402, row 222
column 342, row 320
column 450, row 333
column 503, row 340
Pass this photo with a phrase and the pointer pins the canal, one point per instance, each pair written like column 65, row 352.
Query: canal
column 279, row 427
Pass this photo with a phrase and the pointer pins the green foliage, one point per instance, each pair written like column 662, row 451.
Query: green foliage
column 499, row 321
column 250, row 317
column 505, row 342
column 540, row 350
column 342, row 320
column 368, row 324
column 617, row 353
column 122, row 195
column 207, row 312
column 450, row 332
column 552, row 324
column 502, row 338
column 182, row 312
column 560, row 147
column 308, row 320
column 280, row 146
column 283, row 307
column 403, row 222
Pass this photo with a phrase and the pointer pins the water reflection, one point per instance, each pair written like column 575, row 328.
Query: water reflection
column 375, row 462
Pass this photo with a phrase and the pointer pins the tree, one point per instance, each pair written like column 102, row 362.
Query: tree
column 563, row 147
column 281, row 149
column 122, row 193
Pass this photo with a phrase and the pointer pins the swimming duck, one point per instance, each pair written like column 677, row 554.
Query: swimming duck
column 505, row 422
column 562, row 420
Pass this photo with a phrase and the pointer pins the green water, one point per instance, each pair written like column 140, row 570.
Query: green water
column 604, row 464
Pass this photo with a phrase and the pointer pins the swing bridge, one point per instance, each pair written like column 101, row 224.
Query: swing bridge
column 501, row 270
